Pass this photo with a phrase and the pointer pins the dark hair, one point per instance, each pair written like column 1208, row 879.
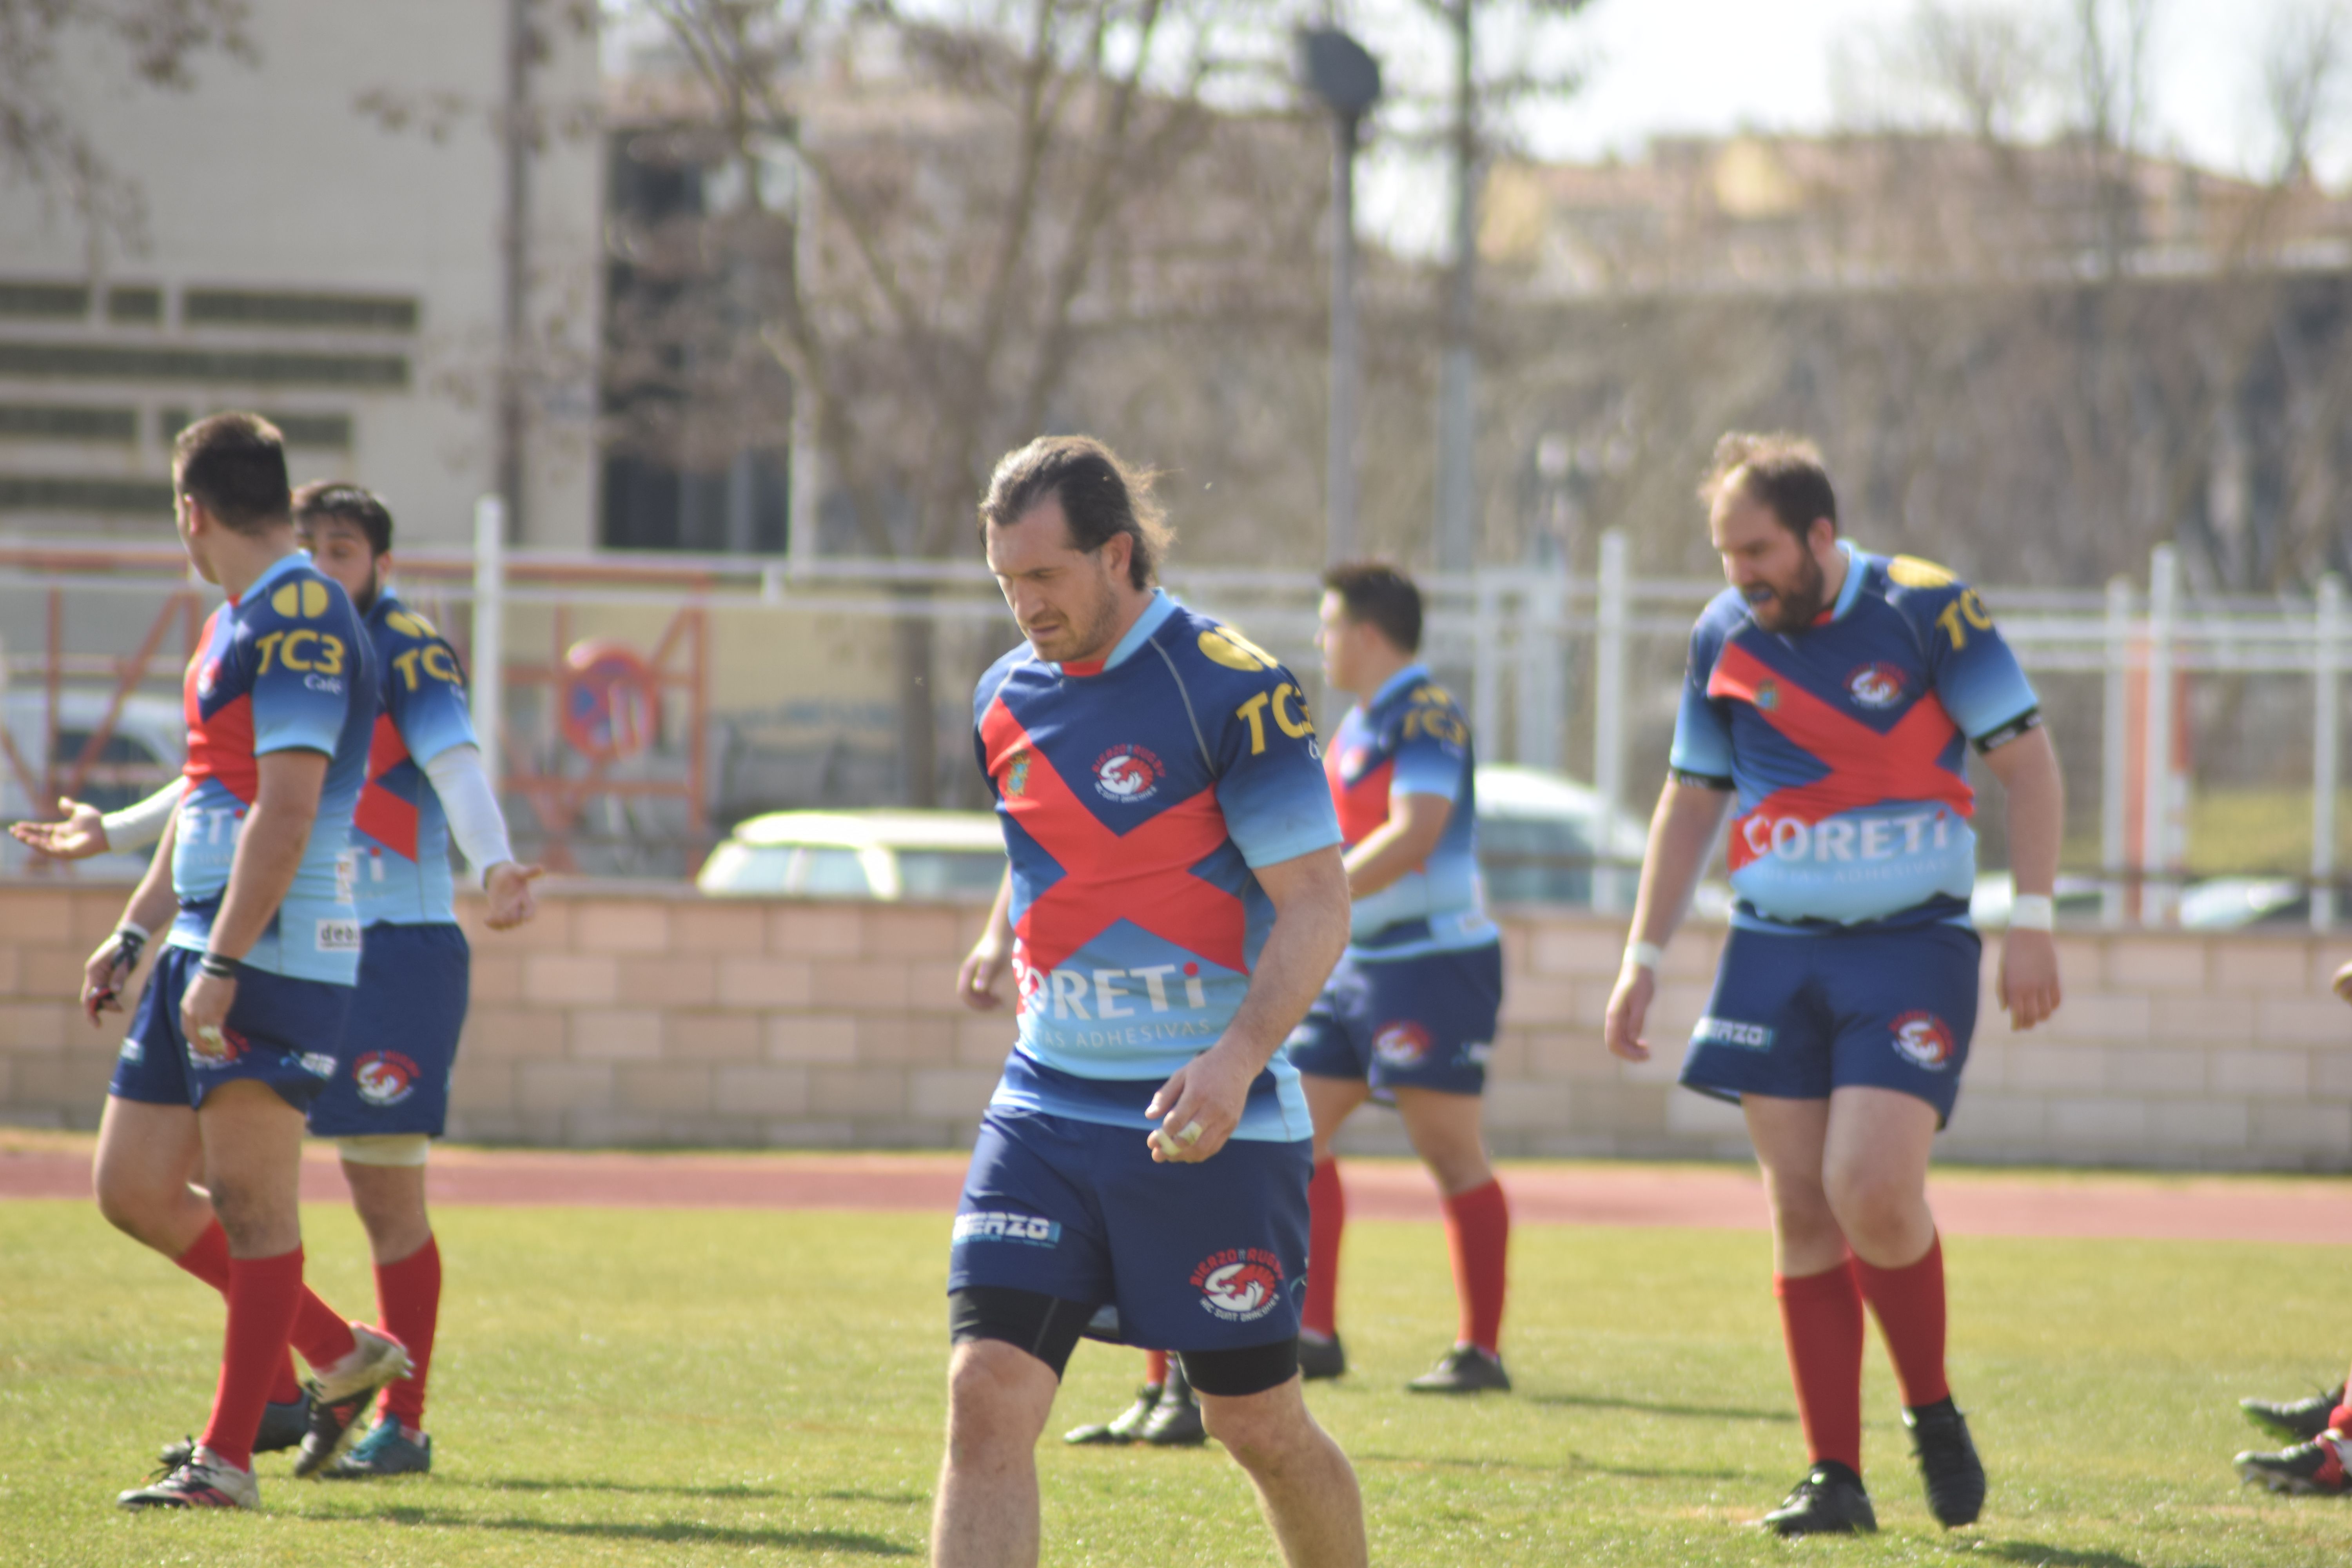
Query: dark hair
column 1375, row 594
column 1101, row 496
column 1784, row 473
column 363, row 510
column 235, row 466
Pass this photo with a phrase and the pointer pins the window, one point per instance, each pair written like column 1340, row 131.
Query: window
column 106, row 362
column 63, row 422
column 134, row 304
column 830, row 874
column 116, row 498
column 45, row 301
column 328, row 430
column 252, row 308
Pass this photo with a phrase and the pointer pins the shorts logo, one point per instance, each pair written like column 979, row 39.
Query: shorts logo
column 1875, row 685
column 1476, row 1054
column 384, row 1078
column 1402, row 1045
column 1924, row 1041
column 317, row 1064
column 1732, row 1032
column 1239, row 1284
column 338, row 936
column 133, row 1051
column 1028, row 1229
column 1127, row 774
column 207, row 1052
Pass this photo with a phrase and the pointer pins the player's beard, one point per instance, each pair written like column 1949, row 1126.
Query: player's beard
column 1088, row 630
column 369, row 594
column 1795, row 605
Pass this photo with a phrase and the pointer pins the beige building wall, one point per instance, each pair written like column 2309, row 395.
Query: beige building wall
column 630, row 1015
column 288, row 177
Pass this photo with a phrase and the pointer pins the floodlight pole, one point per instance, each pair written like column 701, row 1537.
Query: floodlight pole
column 1347, row 80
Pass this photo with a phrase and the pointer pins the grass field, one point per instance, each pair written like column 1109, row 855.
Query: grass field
column 724, row 1387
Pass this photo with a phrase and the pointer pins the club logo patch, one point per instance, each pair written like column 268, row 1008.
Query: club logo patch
column 1353, row 763
column 1239, row 1284
column 1129, row 775
column 133, row 1051
column 1402, row 1045
column 1768, row 696
column 1027, row 1229
column 207, row 1051
column 1875, row 685
column 208, row 677
column 384, row 1078
column 1016, row 774
column 1924, row 1040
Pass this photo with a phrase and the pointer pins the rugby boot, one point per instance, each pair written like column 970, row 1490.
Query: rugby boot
column 2313, row 1467
column 202, row 1480
column 1948, row 1462
column 1126, row 1426
column 2293, row 1421
column 282, row 1426
column 1320, row 1358
column 340, row 1396
column 1829, row 1501
column 1465, row 1369
column 1175, row 1422
column 386, row 1450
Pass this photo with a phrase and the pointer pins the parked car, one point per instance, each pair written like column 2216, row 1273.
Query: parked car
column 1540, row 833
column 954, row 856
column 147, row 746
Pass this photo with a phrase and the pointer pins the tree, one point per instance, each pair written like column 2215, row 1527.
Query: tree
column 42, row 138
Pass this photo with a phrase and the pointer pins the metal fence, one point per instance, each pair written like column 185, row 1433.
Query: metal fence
column 1562, row 671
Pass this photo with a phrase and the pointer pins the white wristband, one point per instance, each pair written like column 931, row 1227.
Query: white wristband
column 2032, row 911
column 1646, row 955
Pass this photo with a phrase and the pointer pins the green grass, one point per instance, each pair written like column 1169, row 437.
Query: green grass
column 721, row 1388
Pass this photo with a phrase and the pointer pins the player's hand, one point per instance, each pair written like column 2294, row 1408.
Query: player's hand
column 976, row 978
column 204, row 1006
column 103, row 977
column 512, row 901
column 1629, row 1009
column 1200, row 1107
column 82, row 834
column 2343, row 983
column 2029, row 977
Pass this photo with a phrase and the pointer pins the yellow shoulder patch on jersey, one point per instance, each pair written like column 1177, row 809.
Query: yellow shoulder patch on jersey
column 1910, row 572
column 409, row 624
column 300, row 601
column 1235, row 651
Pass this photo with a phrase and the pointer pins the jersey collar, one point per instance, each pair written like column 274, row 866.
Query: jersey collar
column 1155, row 615
column 1856, row 566
column 1404, row 680
column 271, row 573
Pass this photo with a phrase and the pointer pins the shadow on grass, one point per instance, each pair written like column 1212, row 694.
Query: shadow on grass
column 2041, row 1556
column 673, row 1531
column 1574, row 1461
column 1660, row 1408
column 730, row 1489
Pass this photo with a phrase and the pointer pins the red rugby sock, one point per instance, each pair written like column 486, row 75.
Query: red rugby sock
column 1910, row 1304
column 2339, row 1420
column 1478, row 1233
column 1327, row 1216
column 262, row 1296
column 207, row 1259
column 408, row 1297
column 1820, row 1322
column 1155, row 1367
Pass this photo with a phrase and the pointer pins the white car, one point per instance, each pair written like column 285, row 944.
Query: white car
column 954, row 856
column 147, row 747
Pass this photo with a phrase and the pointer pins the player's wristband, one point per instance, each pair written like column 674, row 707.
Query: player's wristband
column 2032, row 911
column 1646, row 955
column 217, row 966
column 130, row 941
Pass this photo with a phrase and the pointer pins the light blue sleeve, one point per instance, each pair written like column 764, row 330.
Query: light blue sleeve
column 1430, row 747
column 1701, row 745
column 1976, row 676
column 1270, row 784
column 427, row 690
column 305, row 668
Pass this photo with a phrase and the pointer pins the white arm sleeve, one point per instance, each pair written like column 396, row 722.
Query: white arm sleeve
column 137, row 826
column 475, row 820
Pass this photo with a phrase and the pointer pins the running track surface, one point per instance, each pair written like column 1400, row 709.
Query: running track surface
column 2259, row 1209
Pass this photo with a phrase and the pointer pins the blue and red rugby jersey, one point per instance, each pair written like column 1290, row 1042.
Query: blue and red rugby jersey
column 1136, row 797
column 283, row 666
column 400, row 833
column 1848, row 744
column 1411, row 739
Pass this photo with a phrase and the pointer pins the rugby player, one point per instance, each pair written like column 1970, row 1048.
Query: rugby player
column 1835, row 695
column 389, row 1097
column 242, row 1020
column 1174, row 902
column 1408, row 1016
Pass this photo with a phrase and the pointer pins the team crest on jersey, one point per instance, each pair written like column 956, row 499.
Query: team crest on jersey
column 217, row 1049
column 1351, row 765
column 1924, row 1040
column 1239, row 1284
column 1129, row 775
column 384, row 1078
column 1402, row 1045
column 1016, row 774
column 1875, row 685
column 1768, row 696
column 208, row 677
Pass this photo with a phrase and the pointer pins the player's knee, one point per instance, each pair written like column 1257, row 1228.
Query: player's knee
column 993, row 1399
column 1870, row 1204
column 1262, row 1431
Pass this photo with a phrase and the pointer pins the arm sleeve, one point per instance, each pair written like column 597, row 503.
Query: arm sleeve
column 1432, row 746
column 1270, row 783
column 137, row 826
column 1702, row 748
column 428, row 699
column 1978, row 677
column 475, row 820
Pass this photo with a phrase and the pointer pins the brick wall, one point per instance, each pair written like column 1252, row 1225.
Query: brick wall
column 650, row 1016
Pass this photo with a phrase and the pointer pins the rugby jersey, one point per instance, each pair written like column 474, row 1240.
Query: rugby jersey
column 1847, row 745
column 400, row 833
column 284, row 666
column 1411, row 739
column 1136, row 796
